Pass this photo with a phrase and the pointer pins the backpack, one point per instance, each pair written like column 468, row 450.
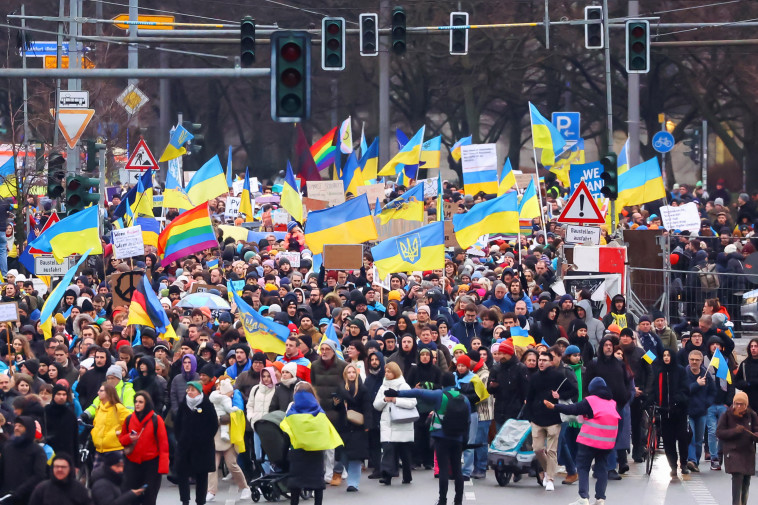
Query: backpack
column 709, row 280
column 455, row 414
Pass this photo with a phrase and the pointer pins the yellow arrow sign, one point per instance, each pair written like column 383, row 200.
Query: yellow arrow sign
column 153, row 22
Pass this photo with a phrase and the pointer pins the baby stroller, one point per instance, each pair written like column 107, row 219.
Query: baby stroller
column 275, row 444
column 510, row 454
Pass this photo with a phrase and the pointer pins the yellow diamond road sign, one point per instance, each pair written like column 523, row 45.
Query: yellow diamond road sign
column 132, row 99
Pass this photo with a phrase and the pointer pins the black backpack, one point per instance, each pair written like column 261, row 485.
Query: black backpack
column 455, row 415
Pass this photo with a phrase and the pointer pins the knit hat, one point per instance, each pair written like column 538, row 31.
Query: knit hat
column 196, row 384
column 290, row 367
column 425, row 308
column 657, row 314
column 111, row 458
column 741, row 397
column 32, row 365
column 258, row 356
column 596, row 384
column 114, row 371
column 645, row 319
column 332, row 344
column 395, row 294
column 464, row 360
column 718, row 201
column 507, row 347
column 572, row 349
column 208, row 369
column 225, row 387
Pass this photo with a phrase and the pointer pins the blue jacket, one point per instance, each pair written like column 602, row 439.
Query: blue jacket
column 701, row 397
column 464, row 332
column 434, row 398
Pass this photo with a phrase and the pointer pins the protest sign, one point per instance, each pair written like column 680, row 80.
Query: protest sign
column 683, row 217
column 332, row 192
column 127, row 242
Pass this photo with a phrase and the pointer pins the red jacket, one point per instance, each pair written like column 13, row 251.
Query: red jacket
column 147, row 447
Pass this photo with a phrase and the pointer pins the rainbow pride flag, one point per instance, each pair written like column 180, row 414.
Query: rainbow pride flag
column 189, row 233
column 324, row 151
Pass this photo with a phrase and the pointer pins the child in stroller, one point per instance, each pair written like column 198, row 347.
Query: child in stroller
column 510, row 454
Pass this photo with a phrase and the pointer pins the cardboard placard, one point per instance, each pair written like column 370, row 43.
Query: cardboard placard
column 292, row 257
column 372, row 191
column 232, row 208
column 333, row 192
column 8, row 312
column 430, row 187
column 343, row 256
column 450, row 240
column 314, row 204
column 127, row 242
column 201, row 288
column 448, row 209
column 238, row 185
column 122, row 285
column 522, row 179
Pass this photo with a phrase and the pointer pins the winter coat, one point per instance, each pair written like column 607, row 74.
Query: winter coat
column 62, row 429
column 355, row 436
column 682, row 357
column 326, row 381
column 151, row 384
column 547, row 328
column 668, row 339
column 106, row 488
column 670, row 390
column 178, row 390
column 147, row 447
column 390, row 431
column 23, row 464
column 624, row 318
column 125, row 393
column 464, row 332
column 738, row 447
column 508, row 384
column 595, row 327
column 259, row 402
column 746, row 379
column 90, row 383
column 405, row 360
column 306, row 469
column 61, row 492
column 373, row 383
column 614, row 374
column 194, row 432
column 282, row 396
column 701, row 397
column 107, row 426
column 541, row 385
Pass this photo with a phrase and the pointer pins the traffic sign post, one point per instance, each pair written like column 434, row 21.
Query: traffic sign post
column 581, row 208
column 132, row 99
column 663, row 141
column 141, row 158
column 568, row 123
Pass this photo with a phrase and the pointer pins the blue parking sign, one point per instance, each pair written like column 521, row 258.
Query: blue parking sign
column 568, row 123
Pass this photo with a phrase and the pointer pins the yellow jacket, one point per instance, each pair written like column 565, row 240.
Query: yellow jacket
column 108, row 422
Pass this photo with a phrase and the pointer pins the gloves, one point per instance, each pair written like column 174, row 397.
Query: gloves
column 86, row 418
column 390, row 393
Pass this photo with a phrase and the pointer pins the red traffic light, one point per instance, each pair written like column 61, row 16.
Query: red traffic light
column 638, row 31
column 290, row 52
column 333, row 28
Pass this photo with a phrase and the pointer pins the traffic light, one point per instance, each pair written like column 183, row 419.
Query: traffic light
column 692, row 140
column 459, row 36
column 78, row 195
column 333, row 44
column 637, row 46
column 398, row 30
column 594, row 35
column 290, row 76
column 198, row 139
column 56, row 174
column 610, row 176
column 369, row 34
column 247, row 41
column 93, row 160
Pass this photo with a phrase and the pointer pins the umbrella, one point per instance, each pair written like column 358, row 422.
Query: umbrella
column 268, row 199
column 213, row 302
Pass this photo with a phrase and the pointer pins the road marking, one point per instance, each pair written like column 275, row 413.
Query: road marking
column 470, row 496
column 697, row 488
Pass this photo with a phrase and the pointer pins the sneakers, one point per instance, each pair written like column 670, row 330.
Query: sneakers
column 614, row 475
column 210, row 497
column 549, row 485
column 570, row 479
column 580, row 501
column 692, row 466
column 599, row 502
column 352, row 489
column 336, row 480
column 715, row 465
column 478, row 475
column 245, row 494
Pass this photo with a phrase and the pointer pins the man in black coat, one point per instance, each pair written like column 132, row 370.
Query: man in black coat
column 107, row 479
column 61, row 488
column 91, row 381
column 643, row 378
column 508, row 383
column 23, row 463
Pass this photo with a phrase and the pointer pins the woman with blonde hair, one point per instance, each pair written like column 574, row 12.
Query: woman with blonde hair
column 352, row 425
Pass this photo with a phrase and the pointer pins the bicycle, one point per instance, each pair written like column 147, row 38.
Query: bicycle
column 86, row 458
column 652, row 437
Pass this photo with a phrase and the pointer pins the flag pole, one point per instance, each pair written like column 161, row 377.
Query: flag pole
column 518, row 244
column 538, row 190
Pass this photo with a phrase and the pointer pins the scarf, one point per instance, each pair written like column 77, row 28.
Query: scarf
column 289, row 382
column 194, row 403
column 304, row 402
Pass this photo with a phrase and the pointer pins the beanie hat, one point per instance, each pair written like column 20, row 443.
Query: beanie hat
column 506, row 347
column 225, row 387
column 208, row 369
column 395, row 294
column 464, row 360
column 114, row 371
column 645, row 319
column 290, row 367
column 596, row 384
column 572, row 349
column 32, row 365
column 657, row 314
column 111, row 458
column 258, row 356
column 448, row 380
column 196, row 384
column 741, row 396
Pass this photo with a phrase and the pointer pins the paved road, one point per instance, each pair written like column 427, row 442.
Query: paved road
column 706, row 488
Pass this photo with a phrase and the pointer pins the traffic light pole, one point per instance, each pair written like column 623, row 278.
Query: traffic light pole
column 608, row 100
column 633, row 98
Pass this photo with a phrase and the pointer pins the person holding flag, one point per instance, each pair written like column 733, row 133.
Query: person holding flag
column 719, row 371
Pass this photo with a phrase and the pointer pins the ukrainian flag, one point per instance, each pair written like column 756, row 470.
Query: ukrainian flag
column 290, row 198
column 369, row 163
column 649, row 357
column 440, row 202
column 351, row 175
column 562, row 165
column 56, row 295
column 151, row 228
column 529, row 207
column 175, row 147
column 480, row 179
column 174, row 195
column 719, row 363
column 307, row 426
column 410, row 154
column 545, row 136
column 207, row 183
column 143, row 200
column 520, row 337
column 8, row 178
column 623, row 159
column 641, row 184
column 455, row 151
column 331, row 334
column 347, row 223
column 246, row 206
column 431, row 153
column 261, row 333
column 507, row 178
column 408, row 206
column 421, row 249
column 75, row 234
column 499, row 215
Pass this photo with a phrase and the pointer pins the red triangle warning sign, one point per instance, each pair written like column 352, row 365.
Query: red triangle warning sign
column 581, row 208
column 141, row 158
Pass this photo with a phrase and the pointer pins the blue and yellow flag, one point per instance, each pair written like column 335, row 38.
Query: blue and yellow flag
column 75, row 234
column 261, row 333
column 246, row 206
column 440, row 201
column 290, row 198
column 369, row 163
column 175, row 147
column 174, row 195
column 507, row 178
column 719, row 363
column 151, row 228
column 431, row 153
column 641, row 184
column 408, row 206
column 623, row 159
column 520, row 337
column 562, row 166
column 478, row 179
column 143, row 199
column 455, row 151
column 351, row 175
column 331, row 334
column 421, row 249
column 55, row 297
column 207, row 183
column 229, row 168
column 133, row 198
column 410, row 154
column 649, row 357
column 8, row 178
column 307, row 426
column 529, row 207
column 545, row 136
column 347, row 223
column 499, row 215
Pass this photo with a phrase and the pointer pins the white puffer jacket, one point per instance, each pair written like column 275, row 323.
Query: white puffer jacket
column 258, row 402
column 388, row 430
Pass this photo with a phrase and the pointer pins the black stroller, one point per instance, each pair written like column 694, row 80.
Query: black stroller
column 275, row 444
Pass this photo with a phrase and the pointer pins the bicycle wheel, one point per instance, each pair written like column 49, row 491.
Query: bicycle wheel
column 652, row 445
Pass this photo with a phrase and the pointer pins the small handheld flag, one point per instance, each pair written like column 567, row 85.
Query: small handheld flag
column 649, row 357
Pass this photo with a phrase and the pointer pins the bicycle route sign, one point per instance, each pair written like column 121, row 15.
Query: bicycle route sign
column 663, row 142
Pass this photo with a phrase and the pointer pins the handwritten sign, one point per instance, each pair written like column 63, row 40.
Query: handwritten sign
column 232, row 208
column 127, row 242
column 238, row 185
column 292, row 257
column 8, row 312
column 430, row 187
column 332, row 192
column 684, row 217
column 372, row 191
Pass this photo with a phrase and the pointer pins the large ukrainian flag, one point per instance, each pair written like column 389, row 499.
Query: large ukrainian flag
column 641, row 184
column 291, row 199
column 75, row 234
column 347, row 223
column 545, row 136
column 207, row 183
column 410, row 154
column 421, row 249
column 408, row 206
column 499, row 215
column 261, row 333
